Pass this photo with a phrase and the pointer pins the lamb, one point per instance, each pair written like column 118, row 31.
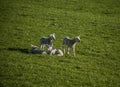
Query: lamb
column 35, row 50
column 53, row 51
column 70, row 43
column 47, row 40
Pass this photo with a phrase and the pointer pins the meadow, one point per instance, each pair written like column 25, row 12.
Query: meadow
column 97, row 61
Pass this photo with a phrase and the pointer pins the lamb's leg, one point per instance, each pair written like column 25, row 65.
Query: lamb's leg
column 67, row 50
column 63, row 48
column 52, row 52
column 41, row 47
column 60, row 53
column 73, row 50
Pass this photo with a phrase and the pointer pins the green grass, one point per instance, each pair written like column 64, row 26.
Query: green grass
column 97, row 63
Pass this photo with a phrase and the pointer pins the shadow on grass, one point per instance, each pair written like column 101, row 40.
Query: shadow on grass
column 22, row 50
column 1, row 85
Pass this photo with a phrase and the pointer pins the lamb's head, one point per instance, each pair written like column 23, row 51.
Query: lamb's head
column 33, row 47
column 77, row 38
column 52, row 36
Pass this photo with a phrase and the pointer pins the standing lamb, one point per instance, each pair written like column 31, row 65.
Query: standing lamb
column 46, row 40
column 70, row 43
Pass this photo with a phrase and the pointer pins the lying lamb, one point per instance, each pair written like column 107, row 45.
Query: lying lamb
column 35, row 50
column 46, row 40
column 53, row 51
column 70, row 43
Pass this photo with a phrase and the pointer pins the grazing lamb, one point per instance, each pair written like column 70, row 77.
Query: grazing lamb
column 53, row 51
column 46, row 40
column 35, row 50
column 70, row 43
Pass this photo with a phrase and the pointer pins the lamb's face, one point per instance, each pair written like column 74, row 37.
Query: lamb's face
column 52, row 36
column 77, row 39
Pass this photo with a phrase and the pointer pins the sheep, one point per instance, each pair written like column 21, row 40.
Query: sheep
column 47, row 40
column 53, row 51
column 70, row 43
column 35, row 50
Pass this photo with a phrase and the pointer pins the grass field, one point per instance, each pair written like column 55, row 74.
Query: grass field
column 97, row 61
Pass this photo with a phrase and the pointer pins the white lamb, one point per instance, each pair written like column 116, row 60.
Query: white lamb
column 46, row 40
column 35, row 50
column 53, row 51
column 70, row 43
